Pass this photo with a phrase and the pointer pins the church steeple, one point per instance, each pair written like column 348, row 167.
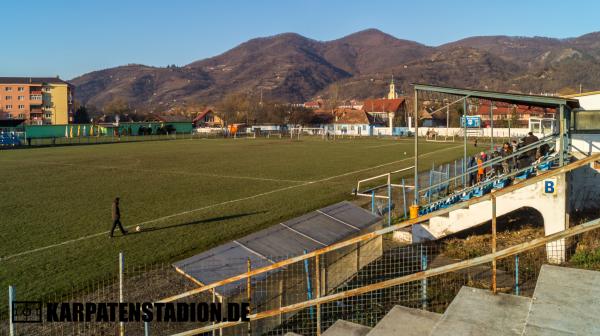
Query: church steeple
column 392, row 94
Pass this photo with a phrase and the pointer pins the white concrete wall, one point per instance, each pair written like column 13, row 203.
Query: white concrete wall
column 591, row 102
column 358, row 129
column 551, row 206
column 584, row 189
column 585, row 144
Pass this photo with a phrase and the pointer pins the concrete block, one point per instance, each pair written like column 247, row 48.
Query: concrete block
column 405, row 321
column 566, row 301
column 345, row 328
column 479, row 312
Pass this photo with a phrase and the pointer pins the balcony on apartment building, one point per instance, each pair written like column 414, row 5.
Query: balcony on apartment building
column 36, row 111
column 35, row 95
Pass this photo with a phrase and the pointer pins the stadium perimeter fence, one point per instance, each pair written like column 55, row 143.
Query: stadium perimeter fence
column 362, row 265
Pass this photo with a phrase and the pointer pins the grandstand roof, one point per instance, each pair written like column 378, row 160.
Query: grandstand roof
column 512, row 98
column 309, row 232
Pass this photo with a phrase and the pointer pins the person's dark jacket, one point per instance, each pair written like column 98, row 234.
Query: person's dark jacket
column 116, row 212
column 544, row 149
column 528, row 140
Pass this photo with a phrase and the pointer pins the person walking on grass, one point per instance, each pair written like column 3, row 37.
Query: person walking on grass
column 116, row 216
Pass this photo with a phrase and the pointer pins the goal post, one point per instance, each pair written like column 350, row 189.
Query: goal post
column 297, row 132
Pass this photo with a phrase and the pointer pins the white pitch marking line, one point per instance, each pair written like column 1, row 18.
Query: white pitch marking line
column 252, row 251
column 215, row 205
column 163, row 171
column 339, row 220
column 302, row 234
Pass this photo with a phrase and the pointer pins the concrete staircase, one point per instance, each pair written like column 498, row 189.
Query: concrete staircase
column 566, row 301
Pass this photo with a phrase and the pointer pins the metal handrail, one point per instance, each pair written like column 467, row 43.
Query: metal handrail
column 385, row 230
column 491, row 257
column 489, row 163
column 498, row 178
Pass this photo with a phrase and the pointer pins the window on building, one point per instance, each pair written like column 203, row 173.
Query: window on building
column 21, row 98
column 21, row 89
column 8, row 97
column 352, row 128
column 21, row 107
column 47, row 115
column 8, row 89
column 8, row 107
column 21, row 115
column 46, row 89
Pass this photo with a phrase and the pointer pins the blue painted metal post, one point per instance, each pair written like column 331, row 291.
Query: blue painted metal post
column 430, row 181
column 308, row 286
column 373, row 202
column 517, row 274
column 11, row 298
column 462, row 171
column 455, row 183
column 404, row 197
column 448, row 178
column 424, row 281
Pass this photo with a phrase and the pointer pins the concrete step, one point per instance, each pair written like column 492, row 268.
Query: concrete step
column 345, row 328
column 479, row 312
column 406, row 322
column 566, row 301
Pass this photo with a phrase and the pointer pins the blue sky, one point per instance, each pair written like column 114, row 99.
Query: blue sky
column 70, row 38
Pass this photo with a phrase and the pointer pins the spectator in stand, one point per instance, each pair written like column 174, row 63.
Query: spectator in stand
column 480, row 169
column 507, row 164
column 473, row 171
column 529, row 140
column 514, row 145
column 496, row 167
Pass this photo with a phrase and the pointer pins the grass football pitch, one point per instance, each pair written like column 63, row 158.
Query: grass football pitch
column 190, row 195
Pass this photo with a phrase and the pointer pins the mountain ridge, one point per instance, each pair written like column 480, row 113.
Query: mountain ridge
column 293, row 68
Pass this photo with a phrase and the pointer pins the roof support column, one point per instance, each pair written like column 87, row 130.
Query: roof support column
column 464, row 182
column 561, row 139
column 492, row 124
column 416, row 118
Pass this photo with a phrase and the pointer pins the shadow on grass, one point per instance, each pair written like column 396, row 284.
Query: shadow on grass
column 204, row 221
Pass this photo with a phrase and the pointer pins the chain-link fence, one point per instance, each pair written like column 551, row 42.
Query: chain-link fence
column 357, row 267
column 379, row 260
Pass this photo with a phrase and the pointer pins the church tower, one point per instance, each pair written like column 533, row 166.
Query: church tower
column 392, row 94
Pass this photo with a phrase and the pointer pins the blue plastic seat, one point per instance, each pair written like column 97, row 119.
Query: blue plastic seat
column 525, row 174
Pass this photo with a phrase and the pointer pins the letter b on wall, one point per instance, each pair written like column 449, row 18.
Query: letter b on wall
column 550, row 187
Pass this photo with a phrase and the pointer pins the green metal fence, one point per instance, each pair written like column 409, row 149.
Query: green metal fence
column 84, row 130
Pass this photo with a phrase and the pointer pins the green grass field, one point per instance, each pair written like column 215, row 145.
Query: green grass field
column 194, row 194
